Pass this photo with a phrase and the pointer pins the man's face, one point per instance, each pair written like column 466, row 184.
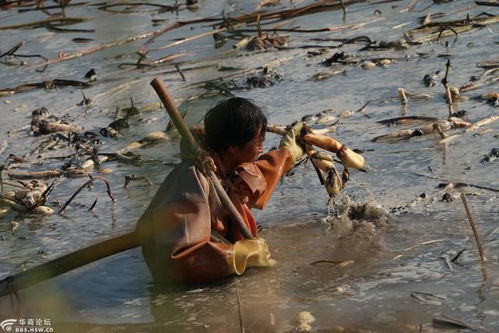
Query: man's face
column 251, row 150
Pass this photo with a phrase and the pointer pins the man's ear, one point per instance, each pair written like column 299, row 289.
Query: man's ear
column 232, row 149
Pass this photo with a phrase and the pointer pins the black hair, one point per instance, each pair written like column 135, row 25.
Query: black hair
column 234, row 121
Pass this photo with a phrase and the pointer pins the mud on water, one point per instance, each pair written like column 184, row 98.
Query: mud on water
column 393, row 253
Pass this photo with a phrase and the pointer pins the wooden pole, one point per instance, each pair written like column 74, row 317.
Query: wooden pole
column 184, row 131
column 473, row 228
column 68, row 262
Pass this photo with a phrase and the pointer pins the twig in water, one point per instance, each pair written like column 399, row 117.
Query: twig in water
column 93, row 205
column 13, row 50
column 88, row 182
column 363, row 107
column 46, row 193
column 439, row 131
column 344, row 11
column 456, row 184
column 445, row 258
column 443, row 28
column 239, row 311
column 444, row 80
column 457, row 255
column 177, row 67
column 2, row 167
column 129, row 178
column 473, row 227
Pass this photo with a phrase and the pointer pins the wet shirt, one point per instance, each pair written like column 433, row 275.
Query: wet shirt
column 176, row 228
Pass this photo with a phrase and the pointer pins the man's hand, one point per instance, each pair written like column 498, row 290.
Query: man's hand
column 289, row 141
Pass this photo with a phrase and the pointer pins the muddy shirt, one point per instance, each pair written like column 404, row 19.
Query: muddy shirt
column 176, row 228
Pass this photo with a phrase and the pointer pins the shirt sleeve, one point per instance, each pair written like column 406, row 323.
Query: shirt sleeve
column 255, row 181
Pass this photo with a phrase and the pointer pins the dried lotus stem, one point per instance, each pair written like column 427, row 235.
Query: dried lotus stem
column 334, row 183
column 108, row 186
column 281, row 130
column 36, row 174
column 42, row 210
column 91, row 162
column 12, row 204
column 403, row 97
column 470, row 127
column 482, row 122
column 151, row 138
column 406, row 95
column 439, row 131
column 346, row 155
column 321, row 155
column 473, row 228
column 448, row 97
column 323, row 164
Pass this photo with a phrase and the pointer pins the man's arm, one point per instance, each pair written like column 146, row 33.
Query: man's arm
column 257, row 180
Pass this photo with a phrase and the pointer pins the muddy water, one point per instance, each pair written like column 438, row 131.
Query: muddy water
column 351, row 276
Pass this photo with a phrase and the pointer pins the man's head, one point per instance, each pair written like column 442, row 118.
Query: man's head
column 236, row 126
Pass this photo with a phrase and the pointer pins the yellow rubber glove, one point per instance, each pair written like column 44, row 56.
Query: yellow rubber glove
column 251, row 253
column 289, row 142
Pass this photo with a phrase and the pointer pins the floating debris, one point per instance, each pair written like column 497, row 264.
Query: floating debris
column 192, row 4
column 341, row 58
column 428, row 298
column 267, row 3
column 338, row 263
column 492, row 156
column 430, row 79
column 42, row 111
column 303, row 321
column 444, row 320
column 323, row 117
column 456, row 95
column 41, row 126
column 263, row 81
column 129, row 178
column 381, row 45
column 48, row 84
column 441, row 124
column 266, row 41
column 46, row 22
column 82, row 40
column 491, row 98
column 405, row 95
column 85, row 101
column 436, row 30
column 30, row 198
column 405, row 120
column 335, row 70
column 91, row 75
column 367, row 65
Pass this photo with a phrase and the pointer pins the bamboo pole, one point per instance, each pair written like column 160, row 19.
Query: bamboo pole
column 68, row 262
column 184, row 131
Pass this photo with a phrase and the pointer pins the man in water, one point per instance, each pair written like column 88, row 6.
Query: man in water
column 188, row 235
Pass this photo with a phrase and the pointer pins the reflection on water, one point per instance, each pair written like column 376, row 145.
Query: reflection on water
column 360, row 280
column 352, row 275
